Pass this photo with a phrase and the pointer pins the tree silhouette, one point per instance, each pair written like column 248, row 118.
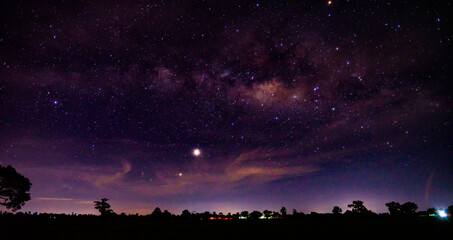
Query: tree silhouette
column 267, row 213
column 103, row 207
column 255, row 215
column 205, row 215
column 185, row 214
column 157, row 213
column 431, row 211
column 337, row 210
column 245, row 214
column 450, row 210
column 358, row 207
column 283, row 211
column 394, row 208
column 14, row 188
column 166, row 214
column 409, row 208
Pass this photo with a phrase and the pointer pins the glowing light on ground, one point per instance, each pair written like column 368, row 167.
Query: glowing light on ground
column 442, row 213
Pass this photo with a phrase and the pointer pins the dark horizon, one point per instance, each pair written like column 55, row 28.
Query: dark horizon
column 227, row 105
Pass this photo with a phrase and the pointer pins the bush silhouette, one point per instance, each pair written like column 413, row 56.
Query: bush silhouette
column 337, row 210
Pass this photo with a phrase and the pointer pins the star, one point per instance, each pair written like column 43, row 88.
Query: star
column 196, row 152
column 119, row 102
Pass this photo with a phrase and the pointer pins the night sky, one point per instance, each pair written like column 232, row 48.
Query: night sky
column 227, row 105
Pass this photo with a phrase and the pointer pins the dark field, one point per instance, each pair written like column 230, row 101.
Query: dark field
column 310, row 227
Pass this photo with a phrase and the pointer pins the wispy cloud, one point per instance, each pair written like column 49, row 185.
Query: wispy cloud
column 71, row 200
column 203, row 175
column 101, row 180
column 246, row 170
column 53, row 199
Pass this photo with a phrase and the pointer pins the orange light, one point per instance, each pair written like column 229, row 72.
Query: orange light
column 329, row 3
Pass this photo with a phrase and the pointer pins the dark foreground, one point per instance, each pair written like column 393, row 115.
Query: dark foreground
column 319, row 227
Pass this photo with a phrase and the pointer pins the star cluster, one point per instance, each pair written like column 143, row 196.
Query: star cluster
column 227, row 105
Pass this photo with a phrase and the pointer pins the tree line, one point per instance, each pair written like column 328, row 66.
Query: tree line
column 357, row 209
column 14, row 192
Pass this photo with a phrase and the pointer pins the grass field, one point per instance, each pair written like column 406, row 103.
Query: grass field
column 309, row 227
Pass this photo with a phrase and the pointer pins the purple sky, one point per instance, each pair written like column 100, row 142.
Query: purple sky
column 299, row 104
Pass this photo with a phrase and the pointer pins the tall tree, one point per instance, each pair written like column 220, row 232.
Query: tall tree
column 103, row 207
column 283, row 211
column 14, row 188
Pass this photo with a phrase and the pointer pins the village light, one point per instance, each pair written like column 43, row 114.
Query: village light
column 442, row 213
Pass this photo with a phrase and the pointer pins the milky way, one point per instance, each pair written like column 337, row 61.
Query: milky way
column 227, row 105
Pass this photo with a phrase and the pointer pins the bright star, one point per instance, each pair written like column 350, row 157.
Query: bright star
column 196, row 152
